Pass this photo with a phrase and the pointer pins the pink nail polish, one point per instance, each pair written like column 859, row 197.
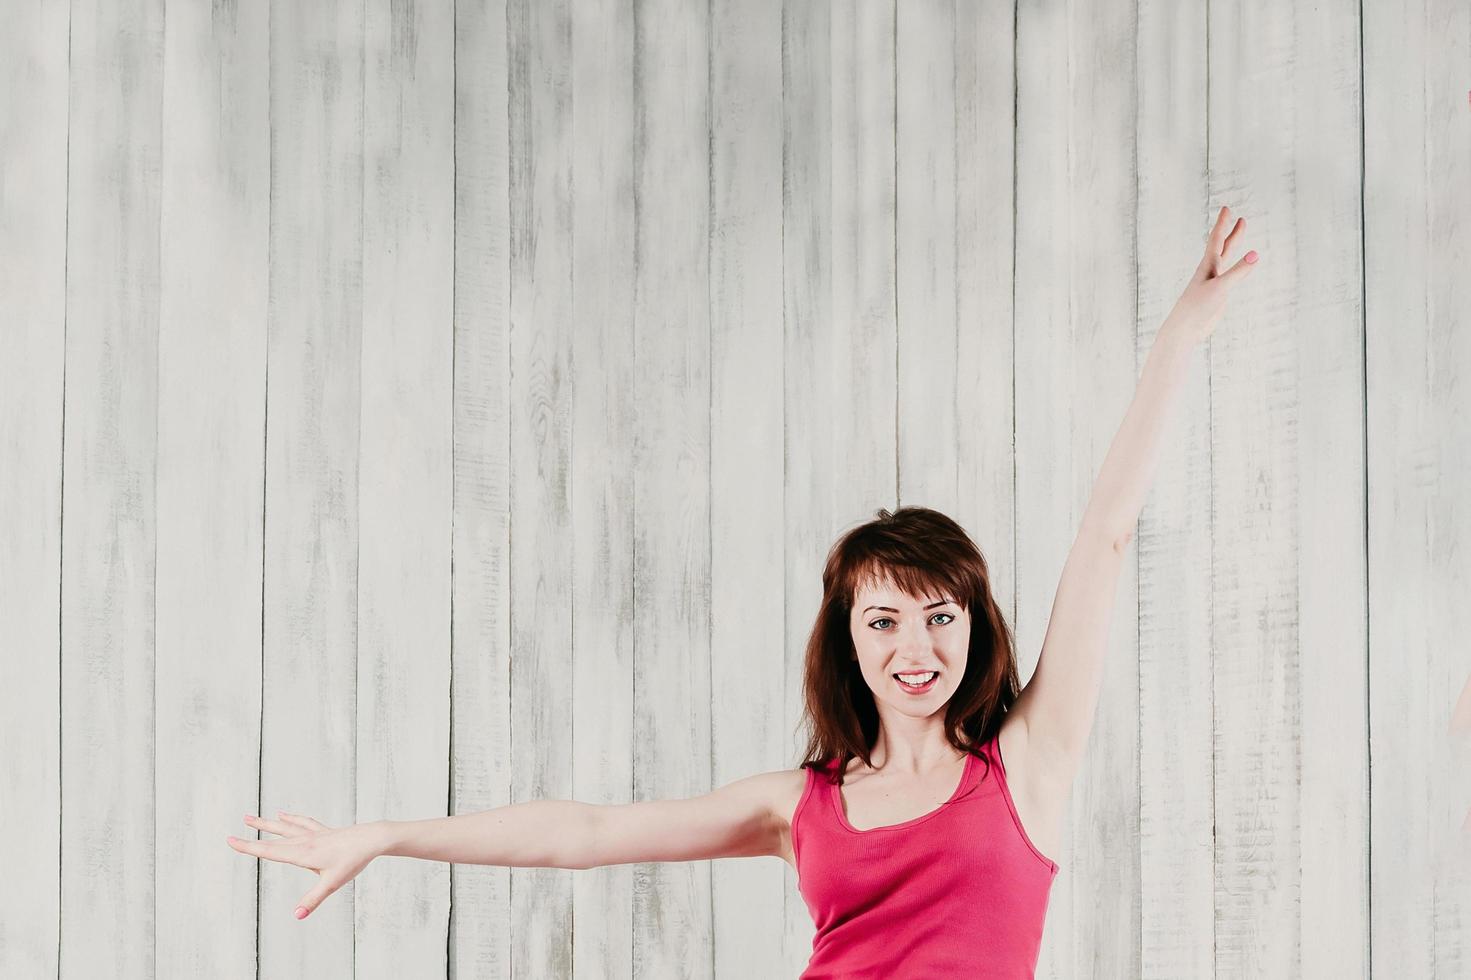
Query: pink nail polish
column 1251, row 258
column 301, row 911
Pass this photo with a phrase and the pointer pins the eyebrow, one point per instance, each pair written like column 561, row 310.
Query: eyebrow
column 893, row 610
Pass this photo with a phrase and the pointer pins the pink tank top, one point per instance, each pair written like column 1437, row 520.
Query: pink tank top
column 956, row 892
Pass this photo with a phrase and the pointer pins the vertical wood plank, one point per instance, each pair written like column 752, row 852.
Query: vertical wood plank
column 1255, row 373
column 404, row 475
column 108, row 492
column 861, row 471
column 211, row 436
column 540, row 761
column 602, row 481
column 1332, row 818
column 749, row 727
column 809, row 381
column 313, row 390
column 1076, row 374
column 925, row 261
column 33, row 209
column 480, row 716
column 1174, row 538
column 1417, row 193
column 672, row 915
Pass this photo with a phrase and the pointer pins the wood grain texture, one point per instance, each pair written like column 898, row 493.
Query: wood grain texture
column 749, row 725
column 1417, row 350
column 604, row 393
column 406, row 408
column 672, row 915
column 925, row 253
column 984, row 229
column 1333, row 599
column 404, row 488
column 480, row 936
column 538, row 38
column 808, row 382
column 1175, row 531
column 214, row 282
column 1262, row 679
column 33, row 240
column 1075, row 365
column 309, row 685
column 110, row 450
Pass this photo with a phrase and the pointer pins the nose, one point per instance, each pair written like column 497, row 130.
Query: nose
column 913, row 641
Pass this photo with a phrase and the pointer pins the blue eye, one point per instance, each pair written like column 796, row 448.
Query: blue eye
column 886, row 619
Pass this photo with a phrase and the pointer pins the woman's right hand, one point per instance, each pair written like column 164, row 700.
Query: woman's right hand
column 335, row 854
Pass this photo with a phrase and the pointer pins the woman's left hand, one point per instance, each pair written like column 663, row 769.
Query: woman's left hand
column 1203, row 302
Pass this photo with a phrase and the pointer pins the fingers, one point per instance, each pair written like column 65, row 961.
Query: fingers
column 315, row 897
column 287, row 850
column 1240, row 269
column 1216, row 241
column 286, row 824
column 257, row 848
column 1231, row 238
column 279, row 827
column 1219, row 243
column 307, row 823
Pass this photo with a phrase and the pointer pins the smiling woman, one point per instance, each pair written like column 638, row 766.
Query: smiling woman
column 910, row 674
column 870, row 620
column 932, row 786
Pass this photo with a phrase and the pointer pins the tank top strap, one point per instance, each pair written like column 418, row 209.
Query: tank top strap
column 814, row 802
column 986, row 761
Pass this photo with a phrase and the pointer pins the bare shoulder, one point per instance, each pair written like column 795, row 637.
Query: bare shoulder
column 1036, row 791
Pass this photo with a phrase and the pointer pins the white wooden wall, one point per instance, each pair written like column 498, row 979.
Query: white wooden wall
column 413, row 409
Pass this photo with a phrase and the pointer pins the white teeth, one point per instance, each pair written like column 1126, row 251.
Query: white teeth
column 918, row 680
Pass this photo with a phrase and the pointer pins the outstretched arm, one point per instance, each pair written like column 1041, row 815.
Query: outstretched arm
column 1058, row 704
column 736, row 820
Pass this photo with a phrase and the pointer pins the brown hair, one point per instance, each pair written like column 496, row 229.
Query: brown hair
column 924, row 553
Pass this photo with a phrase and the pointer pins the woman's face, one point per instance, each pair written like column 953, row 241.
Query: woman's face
column 896, row 633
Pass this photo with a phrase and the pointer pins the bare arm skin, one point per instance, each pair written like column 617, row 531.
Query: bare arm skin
column 737, row 820
column 1057, row 707
column 742, row 819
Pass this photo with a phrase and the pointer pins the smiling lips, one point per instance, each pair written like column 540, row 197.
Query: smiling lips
column 917, row 688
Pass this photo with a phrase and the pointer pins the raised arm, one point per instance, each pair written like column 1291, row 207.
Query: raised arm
column 1057, row 706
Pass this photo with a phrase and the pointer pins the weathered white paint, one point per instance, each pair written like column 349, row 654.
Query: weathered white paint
column 480, row 763
column 309, row 755
column 749, row 722
column 1075, row 373
column 33, row 243
column 542, row 612
column 602, row 482
column 108, row 587
column 1417, row 196
column 404, row 465
column 212, row 338
column 1316, row 194
column 1170, row 567
column 723, row 280
column 814, row 398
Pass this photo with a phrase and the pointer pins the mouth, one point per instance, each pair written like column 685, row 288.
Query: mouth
column 921, row 688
